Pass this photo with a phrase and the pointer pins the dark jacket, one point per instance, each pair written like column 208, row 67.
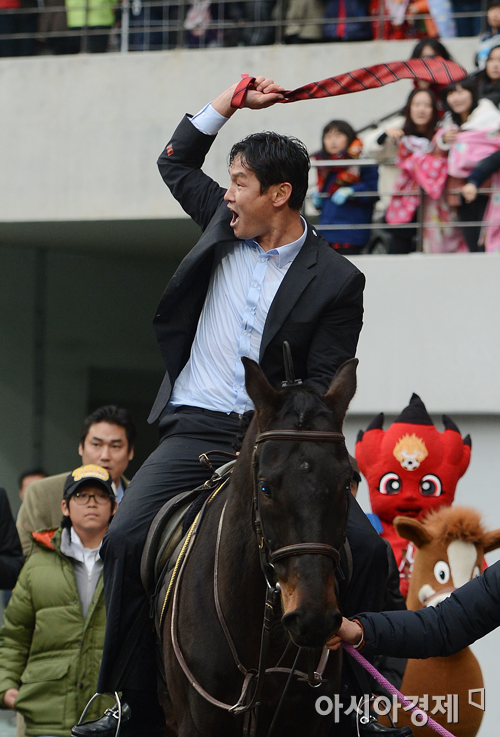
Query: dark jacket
column 469, row 613
column 354, row 211
column 485, row 169
column 349, row 28
column 318, row 307
column 11, row 555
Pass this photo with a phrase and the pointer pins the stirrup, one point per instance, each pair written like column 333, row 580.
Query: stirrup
column 118, row 704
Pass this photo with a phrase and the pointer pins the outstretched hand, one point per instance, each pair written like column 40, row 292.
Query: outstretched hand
column 350, row 632
column 263, row 93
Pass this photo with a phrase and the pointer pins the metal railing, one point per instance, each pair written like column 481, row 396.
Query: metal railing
column 167, row 24
column 420, row 225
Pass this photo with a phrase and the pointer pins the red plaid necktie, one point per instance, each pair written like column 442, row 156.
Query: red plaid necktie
column 435, row 70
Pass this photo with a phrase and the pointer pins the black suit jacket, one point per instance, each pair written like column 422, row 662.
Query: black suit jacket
column 11, row 554
column 318, row 307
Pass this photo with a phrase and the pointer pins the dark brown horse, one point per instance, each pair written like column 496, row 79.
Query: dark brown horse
column 268, row 543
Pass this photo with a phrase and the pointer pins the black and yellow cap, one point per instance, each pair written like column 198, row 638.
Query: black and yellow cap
column 85, row 474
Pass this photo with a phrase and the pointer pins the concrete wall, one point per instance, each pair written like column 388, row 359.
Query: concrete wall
column 79, row 136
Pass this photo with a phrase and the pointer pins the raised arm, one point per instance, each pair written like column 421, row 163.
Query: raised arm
column 181, row 161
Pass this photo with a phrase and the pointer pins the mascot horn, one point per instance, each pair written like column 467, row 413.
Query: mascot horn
column 410, row 468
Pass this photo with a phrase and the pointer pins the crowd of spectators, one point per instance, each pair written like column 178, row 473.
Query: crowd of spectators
column 30, row 27
column 53, row 632
column 439, row 169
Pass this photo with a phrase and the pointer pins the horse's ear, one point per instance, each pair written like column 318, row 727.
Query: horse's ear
column 491, row 541
column 342, row 389
column 259, row 389
column 411, row 529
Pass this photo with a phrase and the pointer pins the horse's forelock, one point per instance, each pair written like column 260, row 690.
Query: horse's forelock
column 304, row 405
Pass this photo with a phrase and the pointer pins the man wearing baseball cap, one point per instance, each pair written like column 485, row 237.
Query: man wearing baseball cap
column 48, row 671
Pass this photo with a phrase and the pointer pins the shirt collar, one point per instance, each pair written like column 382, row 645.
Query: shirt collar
column 286, row 253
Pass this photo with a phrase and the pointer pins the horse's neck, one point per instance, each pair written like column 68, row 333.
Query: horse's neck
column 240, row 579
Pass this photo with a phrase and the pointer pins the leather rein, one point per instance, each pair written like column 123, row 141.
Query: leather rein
column 246, row 704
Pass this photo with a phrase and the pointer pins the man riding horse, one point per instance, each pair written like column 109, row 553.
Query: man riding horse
column 259, row 275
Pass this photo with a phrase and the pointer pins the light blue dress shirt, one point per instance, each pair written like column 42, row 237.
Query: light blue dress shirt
column 242, row 286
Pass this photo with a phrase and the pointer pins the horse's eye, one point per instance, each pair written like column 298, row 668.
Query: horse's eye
column 265, row 489
column 430, row 485
column 390, row 483
column 305, row 466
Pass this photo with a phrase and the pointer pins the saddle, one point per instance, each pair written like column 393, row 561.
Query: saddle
column 168, row 539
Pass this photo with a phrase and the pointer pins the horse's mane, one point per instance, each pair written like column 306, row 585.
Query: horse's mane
column 450, row 523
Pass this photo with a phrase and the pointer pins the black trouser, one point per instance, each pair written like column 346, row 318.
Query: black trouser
column 171, row 469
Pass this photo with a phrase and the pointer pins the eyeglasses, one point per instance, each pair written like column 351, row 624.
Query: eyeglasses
column 83, row 497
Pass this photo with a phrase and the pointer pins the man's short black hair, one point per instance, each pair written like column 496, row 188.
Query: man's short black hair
column 114, row 415
column 274, row 159
column 37, row 471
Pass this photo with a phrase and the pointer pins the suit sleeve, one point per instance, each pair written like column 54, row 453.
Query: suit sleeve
column 16, row 634
column 11, row 555
column 337, row 333
column 485, row 169
column 180, row 167
column 467, row 615
column 33, row 515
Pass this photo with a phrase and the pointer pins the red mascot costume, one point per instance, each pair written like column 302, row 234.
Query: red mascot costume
column 410, row 468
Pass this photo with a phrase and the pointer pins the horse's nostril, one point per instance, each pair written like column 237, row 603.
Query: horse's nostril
column 311, row 630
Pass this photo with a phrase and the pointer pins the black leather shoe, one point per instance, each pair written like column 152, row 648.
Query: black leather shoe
column 105, row 726
column 370, row 727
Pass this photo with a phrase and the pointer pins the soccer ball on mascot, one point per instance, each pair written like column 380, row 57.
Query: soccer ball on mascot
column 410, row 468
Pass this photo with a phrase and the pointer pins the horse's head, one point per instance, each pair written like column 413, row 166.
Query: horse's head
column 450, row 543
column 302, row 495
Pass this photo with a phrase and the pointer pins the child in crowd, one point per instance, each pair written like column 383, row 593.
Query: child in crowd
column 470, row 133
column 488, row 81
column 336, row 187
column 53, row 633
column 491, row 39
column 422, row 165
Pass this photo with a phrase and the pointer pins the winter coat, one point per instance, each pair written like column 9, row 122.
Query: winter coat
column 468, row 614
column 355, row 210
column 47, row 650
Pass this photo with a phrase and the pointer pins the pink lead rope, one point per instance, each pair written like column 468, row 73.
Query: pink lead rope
column 393, row 690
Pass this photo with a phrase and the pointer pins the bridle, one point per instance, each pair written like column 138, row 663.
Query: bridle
column 269, row 557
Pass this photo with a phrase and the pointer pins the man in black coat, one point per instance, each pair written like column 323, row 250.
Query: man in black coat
column 11, row 554
column 258, row 275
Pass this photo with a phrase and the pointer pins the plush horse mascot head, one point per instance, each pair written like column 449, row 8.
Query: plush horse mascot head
column 449, row 546
column 411, row 467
